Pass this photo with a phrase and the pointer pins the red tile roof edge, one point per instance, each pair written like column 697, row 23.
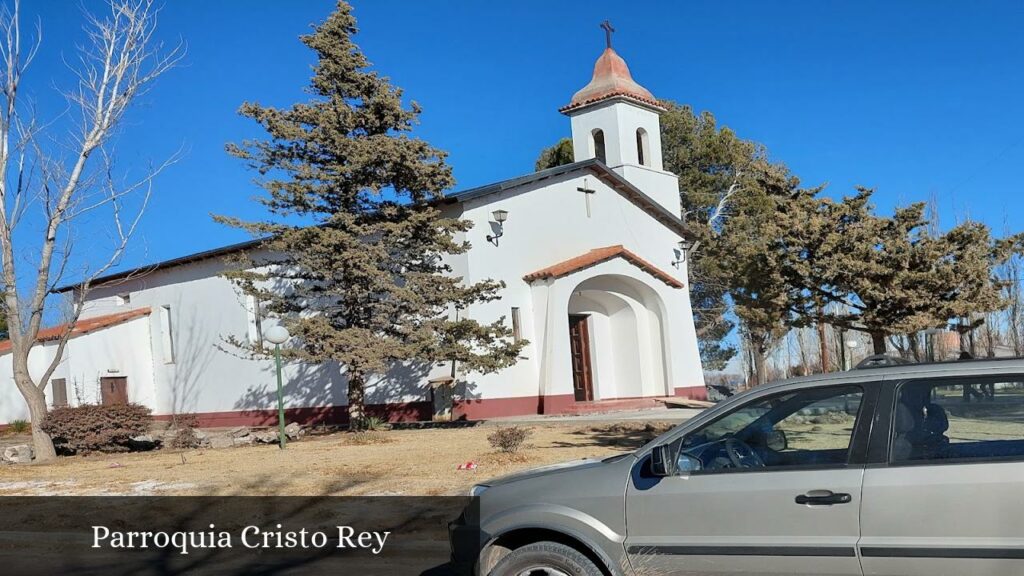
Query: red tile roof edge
column 610, row 95
column 597, row 256
column 82, row 327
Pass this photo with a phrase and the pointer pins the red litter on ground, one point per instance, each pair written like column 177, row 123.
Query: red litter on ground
column 467, row 465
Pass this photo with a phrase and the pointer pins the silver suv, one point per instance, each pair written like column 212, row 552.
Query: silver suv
column 902, row 470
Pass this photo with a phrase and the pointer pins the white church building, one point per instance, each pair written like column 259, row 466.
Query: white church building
column 590, row 253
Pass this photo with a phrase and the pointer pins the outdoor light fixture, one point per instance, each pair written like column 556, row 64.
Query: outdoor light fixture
column 278, row 335
column 500, row 216
column 852, row 345
column 685, row 245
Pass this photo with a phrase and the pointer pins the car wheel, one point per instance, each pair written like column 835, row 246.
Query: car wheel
column 545, row 559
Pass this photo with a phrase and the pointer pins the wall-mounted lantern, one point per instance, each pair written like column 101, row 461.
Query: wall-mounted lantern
column 500, row 216
column 685, row 245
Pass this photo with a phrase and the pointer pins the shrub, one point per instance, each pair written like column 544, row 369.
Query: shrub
column 185, row 437
column 369, row 423
column 509, row 440
column 19, row 426
column 375, row 423
column 96, row 428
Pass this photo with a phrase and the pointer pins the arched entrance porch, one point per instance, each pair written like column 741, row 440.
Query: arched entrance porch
column 616, row 339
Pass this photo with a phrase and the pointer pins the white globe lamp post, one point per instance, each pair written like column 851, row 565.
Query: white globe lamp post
column 852, row 345
column 278, row 335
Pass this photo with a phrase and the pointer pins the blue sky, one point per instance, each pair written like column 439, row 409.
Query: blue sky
column 913, row 98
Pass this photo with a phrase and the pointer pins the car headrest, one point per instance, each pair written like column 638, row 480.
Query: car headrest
column 935, row 420
column 904, row 419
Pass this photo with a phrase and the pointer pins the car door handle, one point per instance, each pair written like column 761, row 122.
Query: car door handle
column 823, row 498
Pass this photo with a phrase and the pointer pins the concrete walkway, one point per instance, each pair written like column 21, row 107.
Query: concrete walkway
column 648, row 414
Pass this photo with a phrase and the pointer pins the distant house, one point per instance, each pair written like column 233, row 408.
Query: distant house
column 590, row 254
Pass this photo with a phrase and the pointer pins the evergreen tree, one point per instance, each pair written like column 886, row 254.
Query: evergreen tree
column 366, row 284
column 730, row 193
column 743, row 255
column 557, row 155
column 890, row 275
column 814, row 245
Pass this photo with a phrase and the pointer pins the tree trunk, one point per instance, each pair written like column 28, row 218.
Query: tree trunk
column 35, row 398
column 841, row 346
column 990, row 336
column 751, row 368
column 356, row 398
column 878, row 342
column 41, row 441
column 760, row 368
column 826, row 361
column 805, row 363
column 915, row 346
column 758, row 353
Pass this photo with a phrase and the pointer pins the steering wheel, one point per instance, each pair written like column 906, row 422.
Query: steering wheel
column 739, row 451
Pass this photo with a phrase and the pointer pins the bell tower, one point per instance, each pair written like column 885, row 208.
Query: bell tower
column 616, row 120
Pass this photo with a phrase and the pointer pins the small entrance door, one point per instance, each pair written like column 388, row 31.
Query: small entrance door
column 60, row 392
column 114, row 390
column 579, row 346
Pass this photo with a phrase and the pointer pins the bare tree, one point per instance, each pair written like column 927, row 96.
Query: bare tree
column 805, row 357
column 62, row 172
column 1015, row 310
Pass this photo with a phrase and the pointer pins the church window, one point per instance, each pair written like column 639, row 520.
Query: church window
column 166, row 337
column 643, row 153
column 517, row 330
column 254, row 309
column 598, row 140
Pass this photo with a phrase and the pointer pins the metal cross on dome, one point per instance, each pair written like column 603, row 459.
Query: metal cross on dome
column 607, row 26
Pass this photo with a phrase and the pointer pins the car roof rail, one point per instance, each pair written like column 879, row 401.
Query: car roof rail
column 881, row 361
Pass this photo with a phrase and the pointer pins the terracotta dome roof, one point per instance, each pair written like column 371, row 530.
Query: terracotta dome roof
column 611, row 79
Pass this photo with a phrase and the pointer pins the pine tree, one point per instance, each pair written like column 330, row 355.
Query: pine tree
column 816, row 233
column 890, row 276
column 358, row 271
column 557, row 155
column 730, row 191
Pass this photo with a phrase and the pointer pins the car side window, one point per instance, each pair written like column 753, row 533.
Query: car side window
column 810, row 427
column 981, row 419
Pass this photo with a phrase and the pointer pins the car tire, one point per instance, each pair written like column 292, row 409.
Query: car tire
column 545, row 559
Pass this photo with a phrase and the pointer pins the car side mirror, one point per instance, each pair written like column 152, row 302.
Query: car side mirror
column 777, row 441
column 663, row 462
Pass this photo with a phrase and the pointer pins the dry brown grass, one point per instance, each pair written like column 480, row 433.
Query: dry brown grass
column 412, row 462
column 365, row 437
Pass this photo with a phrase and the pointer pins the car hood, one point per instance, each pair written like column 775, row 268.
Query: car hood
column 553, row 469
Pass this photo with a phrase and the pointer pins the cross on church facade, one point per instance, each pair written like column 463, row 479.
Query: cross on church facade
column 607, row 26
column 586, row 194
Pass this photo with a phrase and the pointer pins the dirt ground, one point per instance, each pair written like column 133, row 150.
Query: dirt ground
column 408, row 462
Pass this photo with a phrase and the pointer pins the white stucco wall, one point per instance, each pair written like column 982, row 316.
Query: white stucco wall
column 208, row 374
column 619, row 120
column 548, row 224
column 119, row 350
